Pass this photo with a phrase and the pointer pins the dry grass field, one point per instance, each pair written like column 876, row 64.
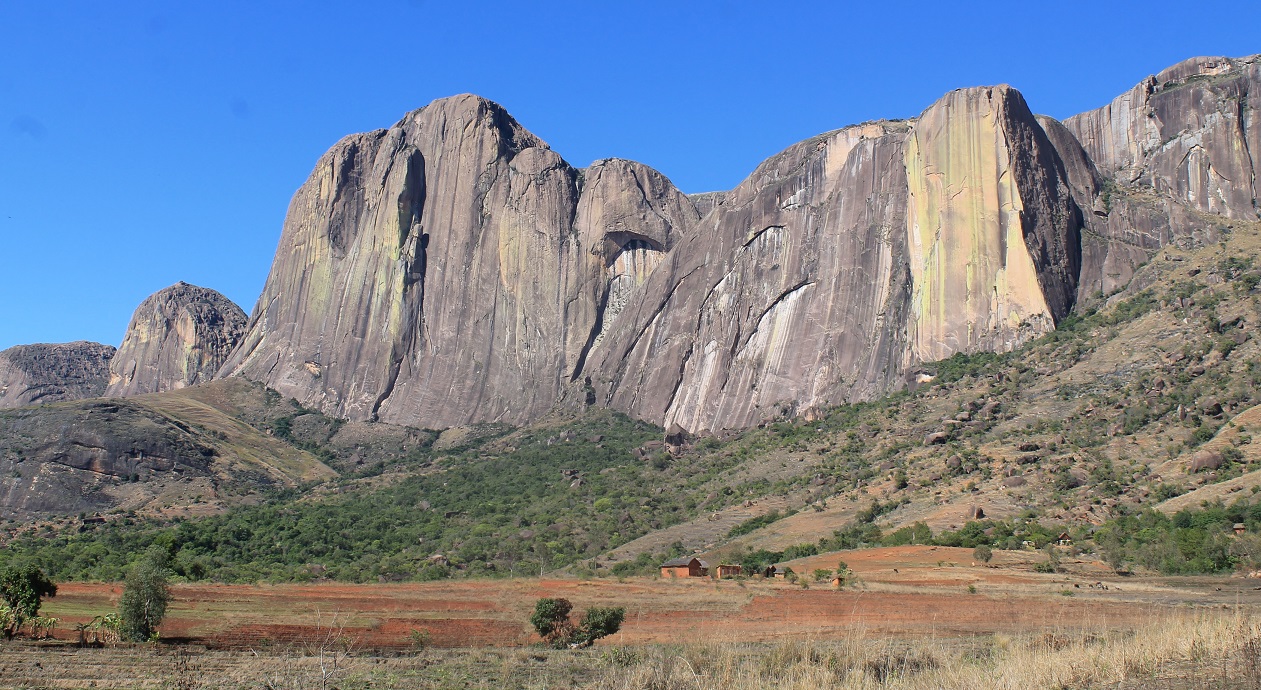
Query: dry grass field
column 908, row 619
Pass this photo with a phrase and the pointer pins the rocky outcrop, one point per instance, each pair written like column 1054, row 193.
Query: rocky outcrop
column 192, row 451
column 45, row 373
column 1190, row 133
column 57, row 460
column 630, row 216
column 847, row 258
column 178, row 336
column 438, row 273
column 1170, row 162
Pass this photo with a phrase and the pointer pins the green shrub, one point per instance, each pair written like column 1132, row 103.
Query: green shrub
column 599, row 621
column 551, row 620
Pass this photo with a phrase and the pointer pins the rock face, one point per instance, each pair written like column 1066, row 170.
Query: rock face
column 1168, row 162
column 1190, row 133
column 846, row 258
column 453, row 269
column 191, row 451
column 630, row 215
column 51, row 456
column 793, row 291
column 438, row 272
column 45, row 373
column 178, row 336
column 993, row 231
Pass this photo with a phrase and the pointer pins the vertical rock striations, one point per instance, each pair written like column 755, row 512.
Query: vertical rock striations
column 178, row 336
column 1190, row 133
column 848, row 257
column 1168, row 162
column 630, row 216
column 993, row 232
column 454, row 269
column 46, row 373
column 435, row 273
column 789, row 295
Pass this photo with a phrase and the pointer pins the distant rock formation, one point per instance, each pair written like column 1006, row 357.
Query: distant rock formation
column 453, row 269
column 46, row 373
column 1171, row 161
column 177, row 337
column 1191, row 133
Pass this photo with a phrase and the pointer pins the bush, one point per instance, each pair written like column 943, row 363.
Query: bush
column 145, row 597
column 983, row 553
column 600, row 621
column 551, row 620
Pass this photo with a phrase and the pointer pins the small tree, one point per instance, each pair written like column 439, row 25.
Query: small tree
column 983, row 553
column 597, row 622
column 145, row 596
column 551, row 620
column 23, row 588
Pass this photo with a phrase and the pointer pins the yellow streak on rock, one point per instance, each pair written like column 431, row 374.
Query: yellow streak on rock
column 975, row 284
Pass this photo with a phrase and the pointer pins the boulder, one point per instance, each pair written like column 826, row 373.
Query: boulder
column 677, row 436
column 1205, row 460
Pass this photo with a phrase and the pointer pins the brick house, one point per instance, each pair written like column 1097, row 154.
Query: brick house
column 687, row 566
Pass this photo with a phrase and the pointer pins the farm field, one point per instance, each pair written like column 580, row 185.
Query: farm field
column 473, row 633
column 900, row 591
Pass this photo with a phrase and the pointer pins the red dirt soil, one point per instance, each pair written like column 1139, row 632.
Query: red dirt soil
column 921, row 598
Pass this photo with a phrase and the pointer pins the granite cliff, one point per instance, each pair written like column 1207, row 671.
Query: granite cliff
column 179, row 336
column 849, row 258
column 451, row 269
column 454, row 269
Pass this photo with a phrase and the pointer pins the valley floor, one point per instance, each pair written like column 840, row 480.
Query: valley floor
column 912, row 616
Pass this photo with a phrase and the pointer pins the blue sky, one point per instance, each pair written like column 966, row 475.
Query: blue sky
column 142, row 143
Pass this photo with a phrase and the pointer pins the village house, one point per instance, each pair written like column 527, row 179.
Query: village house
column 1240, row 528
column 1064, row 539
column 687, row 566
column 729, row 570
column 776, row 571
